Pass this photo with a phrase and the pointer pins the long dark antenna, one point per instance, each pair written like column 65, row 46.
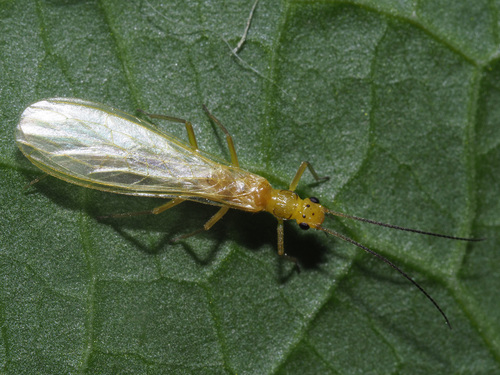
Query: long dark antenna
column 402, row 228
column 384, row 259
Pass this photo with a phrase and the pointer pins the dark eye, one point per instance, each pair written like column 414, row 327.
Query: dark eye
column 304, row 226
column 314, row 200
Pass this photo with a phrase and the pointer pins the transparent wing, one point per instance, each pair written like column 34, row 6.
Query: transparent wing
column 97, row 146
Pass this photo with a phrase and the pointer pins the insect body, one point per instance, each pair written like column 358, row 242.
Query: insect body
column 96, row 146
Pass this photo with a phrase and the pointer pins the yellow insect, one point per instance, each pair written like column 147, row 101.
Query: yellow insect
column 96, row 146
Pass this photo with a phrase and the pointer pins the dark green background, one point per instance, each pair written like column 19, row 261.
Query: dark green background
column 397, row 101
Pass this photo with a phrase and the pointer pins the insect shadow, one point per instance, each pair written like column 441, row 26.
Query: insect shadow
column 376, row 277
column 251, row 231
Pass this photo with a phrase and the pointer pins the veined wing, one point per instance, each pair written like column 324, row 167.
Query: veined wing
column 97, row 146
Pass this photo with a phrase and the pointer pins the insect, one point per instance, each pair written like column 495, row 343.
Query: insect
column 96, row 146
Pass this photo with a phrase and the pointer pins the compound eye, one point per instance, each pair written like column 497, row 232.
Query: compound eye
column 314, row 199
column 304, row 226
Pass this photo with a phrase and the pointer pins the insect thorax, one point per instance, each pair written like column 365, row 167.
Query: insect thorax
column 285, row 204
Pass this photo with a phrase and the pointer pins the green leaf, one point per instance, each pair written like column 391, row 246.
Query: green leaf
column 396, row 101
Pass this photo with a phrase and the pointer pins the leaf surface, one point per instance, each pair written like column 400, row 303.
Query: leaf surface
column 396, row 101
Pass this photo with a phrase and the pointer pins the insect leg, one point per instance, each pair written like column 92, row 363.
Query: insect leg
column 281, row 245
column 229, row 139
column 189, row 126
column 166, row 206
column 300, row 171
column 209, row 224
column 281, row 236
column 154, row 211
column 35, row 181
